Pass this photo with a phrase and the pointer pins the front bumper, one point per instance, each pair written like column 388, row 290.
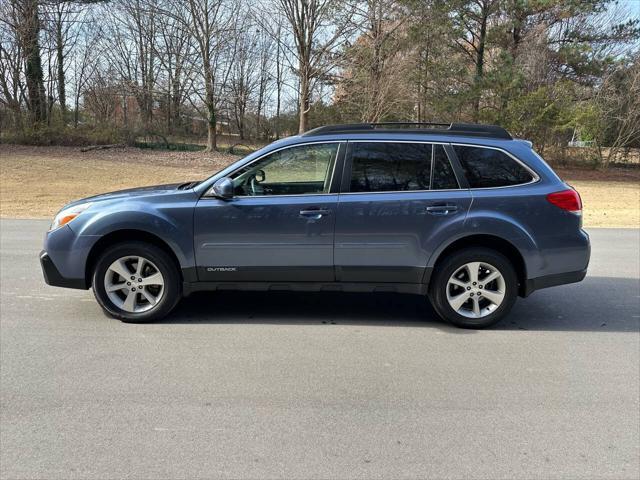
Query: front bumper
column 53, row 277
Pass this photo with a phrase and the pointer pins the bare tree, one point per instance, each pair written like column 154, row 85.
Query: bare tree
column 63, row 24
column 86, row 60
column 264, row 47
column 243, row 80
column 274, row 29
column 210, row 23
column 174, row 50
column 99, row 95
column 130, row 48
column 250, row 74
column 317, row 26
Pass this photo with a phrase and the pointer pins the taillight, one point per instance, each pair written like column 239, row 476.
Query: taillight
column 568, row 200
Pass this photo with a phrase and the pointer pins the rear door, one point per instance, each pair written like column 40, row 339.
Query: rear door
column 395, row 197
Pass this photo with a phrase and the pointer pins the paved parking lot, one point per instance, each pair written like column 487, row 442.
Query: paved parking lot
column 257, row 385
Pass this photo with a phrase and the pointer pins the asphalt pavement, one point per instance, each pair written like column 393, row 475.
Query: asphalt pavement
column 277, row 385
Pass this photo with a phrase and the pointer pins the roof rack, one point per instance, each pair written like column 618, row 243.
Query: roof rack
column 464, row 129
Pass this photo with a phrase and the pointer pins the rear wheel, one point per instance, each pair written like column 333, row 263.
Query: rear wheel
column 136, row 282
column 474, row 288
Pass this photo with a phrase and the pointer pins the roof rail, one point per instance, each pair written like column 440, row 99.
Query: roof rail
column 465, row 129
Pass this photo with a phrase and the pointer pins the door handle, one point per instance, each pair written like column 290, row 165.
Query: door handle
column 314, row 213
column 442, row 209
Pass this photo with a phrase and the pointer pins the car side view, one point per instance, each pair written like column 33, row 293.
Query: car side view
column 460, row 213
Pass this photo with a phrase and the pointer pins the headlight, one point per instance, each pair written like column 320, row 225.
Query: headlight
column 65, row 216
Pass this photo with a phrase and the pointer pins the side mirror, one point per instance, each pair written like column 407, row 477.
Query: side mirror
column 223, row 188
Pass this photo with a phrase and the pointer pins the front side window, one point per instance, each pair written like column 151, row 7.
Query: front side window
column 486, row 167
column 390, row 167
column 299, row 170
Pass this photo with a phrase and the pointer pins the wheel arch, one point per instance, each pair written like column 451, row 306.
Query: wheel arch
column 127, row 235
column 493, row 242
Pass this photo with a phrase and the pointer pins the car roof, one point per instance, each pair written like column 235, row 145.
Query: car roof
column 397, row 137
column 475, row 134
column 401, row 128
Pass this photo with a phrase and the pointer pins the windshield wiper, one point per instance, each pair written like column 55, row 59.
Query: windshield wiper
column 187, row 186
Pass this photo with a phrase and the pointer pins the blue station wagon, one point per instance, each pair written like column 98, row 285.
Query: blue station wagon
column 462, row 214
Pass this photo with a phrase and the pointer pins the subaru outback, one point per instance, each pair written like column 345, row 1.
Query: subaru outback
column 462, row 214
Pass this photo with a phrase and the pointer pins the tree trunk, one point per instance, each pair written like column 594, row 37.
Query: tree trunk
column 212, row 135
column 175, row 99
column 259, row 112
column 33, row 62
column 125, row 110
column 240, row 115
column 419, row 103
column 76, row 113
column 477, row 81
column 278, row 87
column 62, row 97
column 304, row 100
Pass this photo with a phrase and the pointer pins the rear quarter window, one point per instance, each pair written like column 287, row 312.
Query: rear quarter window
column 486, row 167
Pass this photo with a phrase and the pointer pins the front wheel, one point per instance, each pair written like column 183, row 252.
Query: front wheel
column 474, row 288
column 136, row 282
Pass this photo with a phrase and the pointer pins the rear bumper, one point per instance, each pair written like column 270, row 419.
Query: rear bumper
column 566, row 259
column 547, row 281
column 53, row 277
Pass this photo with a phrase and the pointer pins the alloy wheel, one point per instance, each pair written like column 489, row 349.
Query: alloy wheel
column 476, row 289
column 134, row 284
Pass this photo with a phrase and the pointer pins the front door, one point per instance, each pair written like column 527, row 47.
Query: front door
column 279, row 226
column 397, row 197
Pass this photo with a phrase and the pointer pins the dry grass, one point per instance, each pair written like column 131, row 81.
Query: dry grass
column 36, row 181
column 609, row 204
column 610, row 199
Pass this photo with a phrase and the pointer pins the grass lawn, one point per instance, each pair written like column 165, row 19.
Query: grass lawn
column 36, row 181
column 610, row 198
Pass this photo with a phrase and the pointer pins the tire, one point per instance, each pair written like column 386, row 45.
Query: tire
column 446, row 290
column 164, row 290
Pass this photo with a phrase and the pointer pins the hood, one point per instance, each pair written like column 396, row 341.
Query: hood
column 135, row 192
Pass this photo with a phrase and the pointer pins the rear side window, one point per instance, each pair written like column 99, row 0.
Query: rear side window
column 443, row 177
column 390, row 167
column 486, row 167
